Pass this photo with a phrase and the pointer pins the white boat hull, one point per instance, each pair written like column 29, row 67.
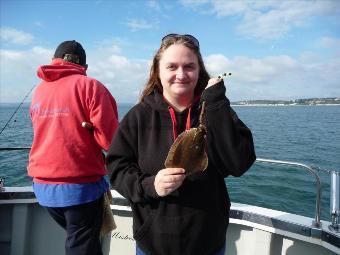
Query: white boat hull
column 27, row 229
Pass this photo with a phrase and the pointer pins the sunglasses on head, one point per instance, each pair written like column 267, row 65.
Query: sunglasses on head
column 190, row 38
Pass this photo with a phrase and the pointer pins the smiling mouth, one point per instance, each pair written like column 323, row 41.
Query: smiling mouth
column 181, row 83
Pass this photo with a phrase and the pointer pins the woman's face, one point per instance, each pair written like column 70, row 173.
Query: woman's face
column 178, row 72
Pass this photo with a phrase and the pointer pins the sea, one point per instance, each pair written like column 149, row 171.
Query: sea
column 306, row 134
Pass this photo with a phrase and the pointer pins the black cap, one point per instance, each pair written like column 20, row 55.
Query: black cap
column 71, row 51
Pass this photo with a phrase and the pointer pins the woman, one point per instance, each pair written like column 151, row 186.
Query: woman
column 174, row 213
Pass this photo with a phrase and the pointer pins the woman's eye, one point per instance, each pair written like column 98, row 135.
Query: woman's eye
column 171, row 67
column 190, row 67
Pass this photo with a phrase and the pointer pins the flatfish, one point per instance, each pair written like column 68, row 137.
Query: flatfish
column 188, row 150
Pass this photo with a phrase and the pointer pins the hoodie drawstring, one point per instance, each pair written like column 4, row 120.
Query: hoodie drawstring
column 174, row 121
column 173, row 117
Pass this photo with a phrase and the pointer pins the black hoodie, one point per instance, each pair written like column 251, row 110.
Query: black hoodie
column 194, row 218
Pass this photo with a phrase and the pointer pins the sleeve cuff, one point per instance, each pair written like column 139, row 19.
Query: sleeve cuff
column 214, row 93
column 149, row 187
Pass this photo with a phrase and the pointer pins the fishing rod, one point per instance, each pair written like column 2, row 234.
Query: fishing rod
column 29, row 92
column 14, row 148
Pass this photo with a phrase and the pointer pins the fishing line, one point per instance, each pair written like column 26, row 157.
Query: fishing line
column 29, row 92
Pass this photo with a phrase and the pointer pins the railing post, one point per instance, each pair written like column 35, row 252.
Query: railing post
column 335, row 201
column 2, row 184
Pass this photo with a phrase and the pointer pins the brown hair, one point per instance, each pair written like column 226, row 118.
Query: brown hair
column 154, row 82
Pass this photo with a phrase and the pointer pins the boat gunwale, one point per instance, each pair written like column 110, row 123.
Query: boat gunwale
column 248, row 215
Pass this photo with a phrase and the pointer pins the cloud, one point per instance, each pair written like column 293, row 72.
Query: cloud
column 154, row 5
column 194, row 2
column 269, row 20
column 112, row 45
column 251, row 70
column 15, row 36
column 269, row 77
column 23, row 62
column 38, row 24
column 18, row 71
column 217, row 64
column 10, row 55
column 138, row 24
column 329, row 42
column 124, row 77
column 277, row 77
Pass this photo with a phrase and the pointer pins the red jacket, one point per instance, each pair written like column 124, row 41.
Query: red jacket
column 62, row 150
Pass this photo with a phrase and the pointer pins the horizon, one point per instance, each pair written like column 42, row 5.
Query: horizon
column 282, row 50
column 132, row 103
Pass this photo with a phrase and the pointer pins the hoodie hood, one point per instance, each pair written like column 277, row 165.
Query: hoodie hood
column 157, row 102
column 58, row 69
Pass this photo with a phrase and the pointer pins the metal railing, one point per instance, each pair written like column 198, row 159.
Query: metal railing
column 334, row 190
column 2, row 184
column 316, row 223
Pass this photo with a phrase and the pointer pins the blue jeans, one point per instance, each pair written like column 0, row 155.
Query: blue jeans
column 140, row 252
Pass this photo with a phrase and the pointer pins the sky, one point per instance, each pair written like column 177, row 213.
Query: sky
column 280, row 49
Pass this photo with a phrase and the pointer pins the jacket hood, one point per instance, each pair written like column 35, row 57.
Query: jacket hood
column 156, row 101
column 58, row 69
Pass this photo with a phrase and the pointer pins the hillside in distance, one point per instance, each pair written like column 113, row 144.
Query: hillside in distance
column 308, row 101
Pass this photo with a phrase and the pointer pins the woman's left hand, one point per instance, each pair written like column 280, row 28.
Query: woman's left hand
column 212, row 82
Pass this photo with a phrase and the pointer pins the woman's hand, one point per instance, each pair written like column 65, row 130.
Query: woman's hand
column 212, row 82
column 169, row 179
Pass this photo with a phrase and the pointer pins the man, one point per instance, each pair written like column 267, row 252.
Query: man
column 74, row 118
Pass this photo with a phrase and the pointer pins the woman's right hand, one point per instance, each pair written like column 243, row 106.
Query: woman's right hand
column 169, row 179
column 212, row 82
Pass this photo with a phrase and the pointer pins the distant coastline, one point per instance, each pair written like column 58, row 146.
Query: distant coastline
column 296, row 102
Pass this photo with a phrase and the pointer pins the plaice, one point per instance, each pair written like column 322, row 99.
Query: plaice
column 188, row 150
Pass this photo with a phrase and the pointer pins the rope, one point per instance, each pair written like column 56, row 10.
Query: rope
column 29, row 92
